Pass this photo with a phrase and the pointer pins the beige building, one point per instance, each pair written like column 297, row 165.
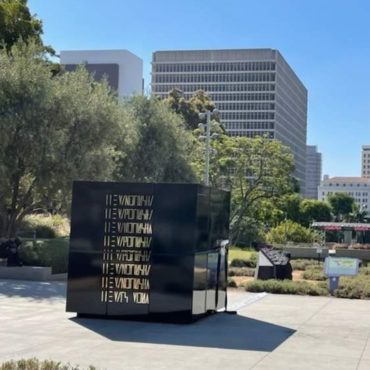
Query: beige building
column 357, row 187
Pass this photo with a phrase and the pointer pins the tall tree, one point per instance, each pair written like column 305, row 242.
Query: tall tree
column 253, row 169
column 190, row 109
column 17, row 22
column 163, row 146
column 53, row 131
column 314, row 210
column 290, row 205
column 342, row 205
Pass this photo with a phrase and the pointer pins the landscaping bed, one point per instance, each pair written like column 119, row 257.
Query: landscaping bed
column 308, row 279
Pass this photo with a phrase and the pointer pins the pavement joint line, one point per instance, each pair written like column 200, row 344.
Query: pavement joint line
column 363, row 351
column 246, row 302
column 296, row 330
column 260, row 360
column 314, row 314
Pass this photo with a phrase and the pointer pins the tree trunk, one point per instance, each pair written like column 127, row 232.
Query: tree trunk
column 12, row 225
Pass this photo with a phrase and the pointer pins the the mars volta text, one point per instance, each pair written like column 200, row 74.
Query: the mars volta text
column 127, row 244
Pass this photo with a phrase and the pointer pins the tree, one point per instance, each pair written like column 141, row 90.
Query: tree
column 290, row 231
column 358, row 215
column 190, row 109
column 17, row 22
column 253, row 169
column 53, row 131
column 290, row 205
column 314, row 210
column 163, row 146
column 342, row 205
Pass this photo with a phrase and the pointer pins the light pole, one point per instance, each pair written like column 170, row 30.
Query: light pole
column 207, row 126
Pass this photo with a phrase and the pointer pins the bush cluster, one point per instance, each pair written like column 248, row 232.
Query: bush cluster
column 290, row 231
column 241, row 271
column 314, row 274
column 356, row 287
column 286, row 287
column 303, row 264
column 35, row 364
column 239, row 262
column 45, row 226
column 231, row 283
column 365, row 270
column 53, row 252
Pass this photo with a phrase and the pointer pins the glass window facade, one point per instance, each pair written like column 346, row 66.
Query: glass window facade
column 255, row 89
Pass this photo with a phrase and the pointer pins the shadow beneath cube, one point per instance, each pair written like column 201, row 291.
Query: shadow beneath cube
column 216, row 331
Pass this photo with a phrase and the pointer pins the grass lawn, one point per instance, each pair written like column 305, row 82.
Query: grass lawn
column 244, row 254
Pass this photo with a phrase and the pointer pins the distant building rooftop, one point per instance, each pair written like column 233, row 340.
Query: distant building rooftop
column 362, row 180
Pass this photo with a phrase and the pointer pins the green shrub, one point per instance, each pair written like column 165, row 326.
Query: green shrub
column 231, row 283
column 53, row 252
column 45, row 226
column 241, row 271
column 356, row 287
column 290, row 231
column 35, row 364
column 365, row 270
column 314, row 274
column 303, row 264
column 285, row 287
column 238, row 262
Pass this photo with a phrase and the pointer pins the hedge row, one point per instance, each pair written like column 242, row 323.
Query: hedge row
column 286, row 287
column 239, row 262
column 241, row 271
column 45, row 226
column 35, row 364
column 52, row 252
column 357, row 287
column 303, row 264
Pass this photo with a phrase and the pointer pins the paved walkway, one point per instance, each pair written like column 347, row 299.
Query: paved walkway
column 269, row 332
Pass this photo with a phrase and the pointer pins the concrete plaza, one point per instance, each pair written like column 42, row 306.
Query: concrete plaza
column 269, row 332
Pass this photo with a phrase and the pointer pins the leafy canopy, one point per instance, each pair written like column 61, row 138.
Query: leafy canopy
column 17, row 23
column 53, row 131
column 290, row 231
column 189, row 109
column 342, row 205
column 161, row 151
column 254, row 169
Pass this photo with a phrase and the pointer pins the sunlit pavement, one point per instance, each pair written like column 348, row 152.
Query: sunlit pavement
column 269, row 332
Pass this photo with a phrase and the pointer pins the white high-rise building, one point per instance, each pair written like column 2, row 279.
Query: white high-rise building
column 256, row 91
column 313, row 171
column 365, row 161
column 123, row 69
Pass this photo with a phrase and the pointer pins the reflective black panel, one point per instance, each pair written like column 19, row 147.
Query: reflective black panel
column 145, row 250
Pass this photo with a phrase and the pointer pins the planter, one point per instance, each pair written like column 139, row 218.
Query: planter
column 35, row 273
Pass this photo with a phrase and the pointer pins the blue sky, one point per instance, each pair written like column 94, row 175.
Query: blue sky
column 327, row 43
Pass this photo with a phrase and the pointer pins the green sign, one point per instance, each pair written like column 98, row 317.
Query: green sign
column 341, row 266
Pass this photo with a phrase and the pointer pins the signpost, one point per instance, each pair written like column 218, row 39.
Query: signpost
column 318, row 251
column 335, row 267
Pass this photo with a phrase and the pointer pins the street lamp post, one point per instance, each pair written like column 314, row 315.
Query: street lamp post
column 207, row 126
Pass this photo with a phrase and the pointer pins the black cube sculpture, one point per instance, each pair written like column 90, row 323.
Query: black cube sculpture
column 147, row 251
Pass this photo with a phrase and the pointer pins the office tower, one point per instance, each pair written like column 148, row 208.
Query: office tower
column 313, row 171
column 365, row 162
column 123, row 70
column 256, row 91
